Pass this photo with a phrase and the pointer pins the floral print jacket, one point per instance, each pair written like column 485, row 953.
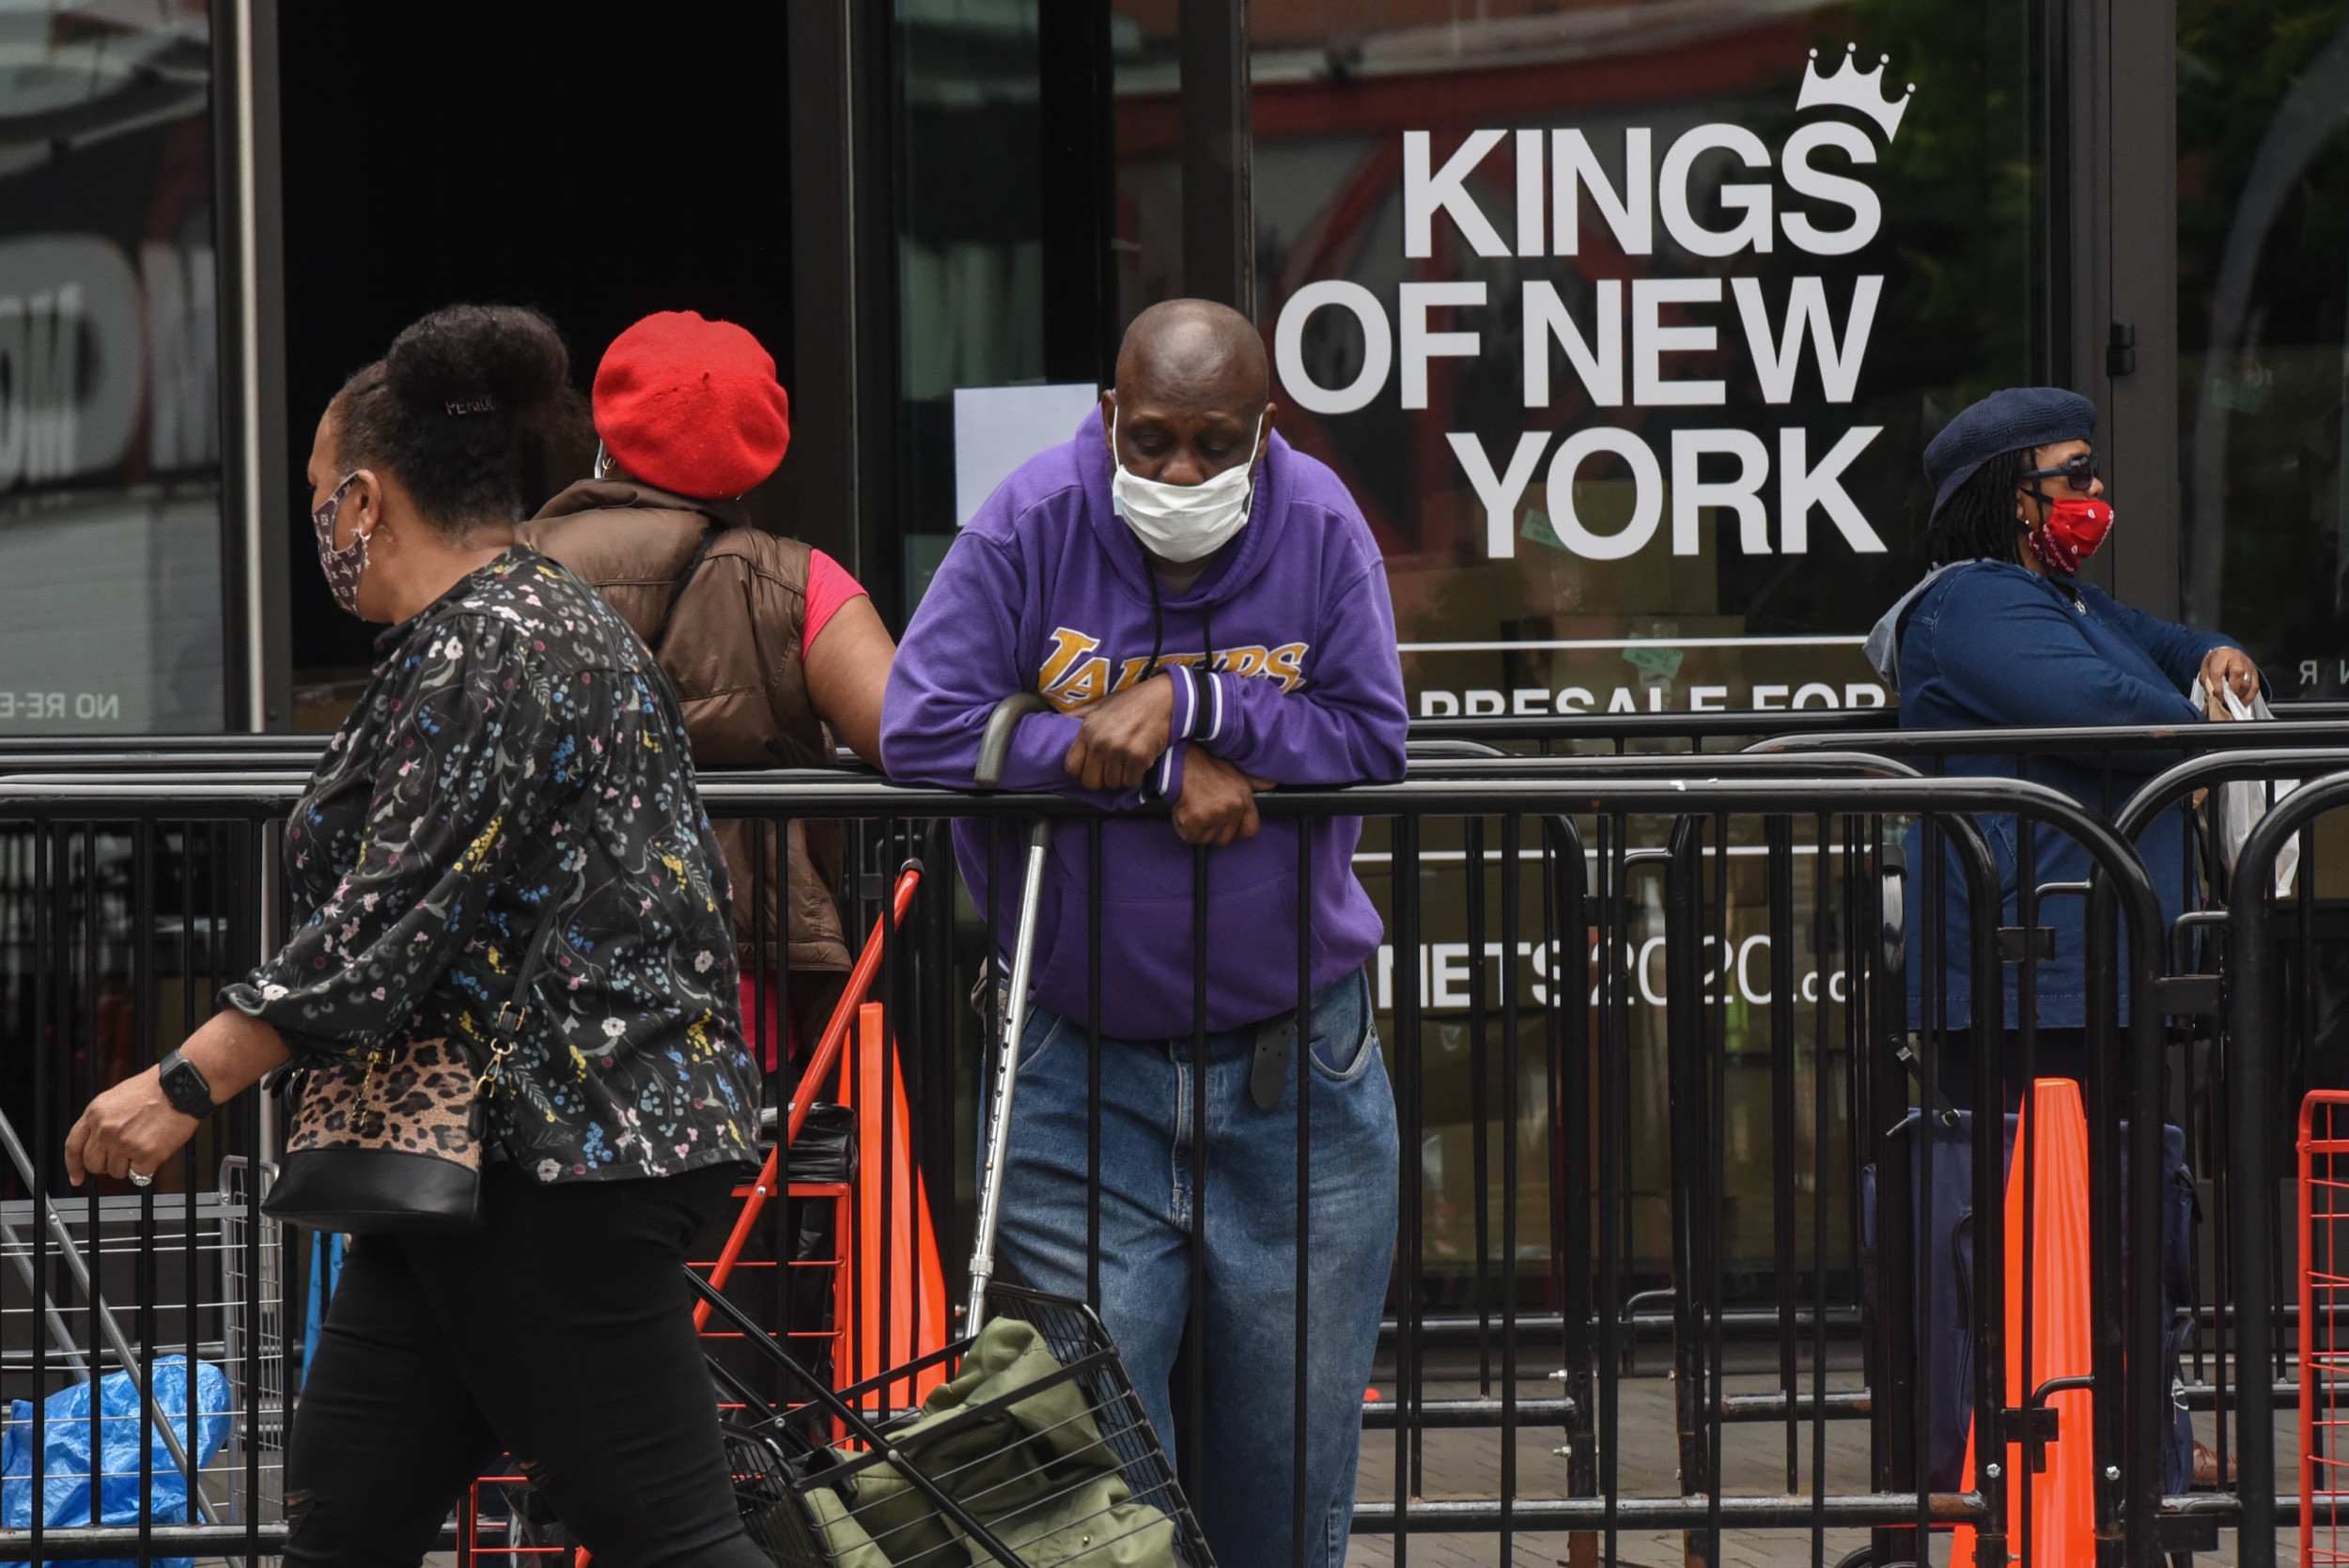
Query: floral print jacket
column 517, row 757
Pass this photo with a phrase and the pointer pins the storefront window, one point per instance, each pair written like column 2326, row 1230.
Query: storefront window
column 110, row 496
column 1628, row 328
column 2262, row 287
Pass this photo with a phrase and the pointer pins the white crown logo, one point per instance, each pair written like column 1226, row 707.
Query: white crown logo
column 1854, row 88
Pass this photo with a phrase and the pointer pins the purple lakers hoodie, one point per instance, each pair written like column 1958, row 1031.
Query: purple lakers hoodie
column 1284, row 663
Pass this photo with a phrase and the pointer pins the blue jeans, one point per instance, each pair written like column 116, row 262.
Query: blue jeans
column 1243, row 1238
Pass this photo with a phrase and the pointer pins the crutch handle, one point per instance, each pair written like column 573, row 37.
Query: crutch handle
column 995, row 745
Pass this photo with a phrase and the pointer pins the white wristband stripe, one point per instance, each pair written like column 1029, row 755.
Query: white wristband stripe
column 1187, row 702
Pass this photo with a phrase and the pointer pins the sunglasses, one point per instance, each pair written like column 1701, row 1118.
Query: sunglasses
column 2079, row 471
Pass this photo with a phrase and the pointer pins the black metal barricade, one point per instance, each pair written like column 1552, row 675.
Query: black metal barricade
column 2259, row 1020
column 117, row 930
column 2248, row 1037
column 1580, row 882
column 2252, row 1034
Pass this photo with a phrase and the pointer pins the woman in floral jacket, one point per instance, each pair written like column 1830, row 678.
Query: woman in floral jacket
column 517, row 759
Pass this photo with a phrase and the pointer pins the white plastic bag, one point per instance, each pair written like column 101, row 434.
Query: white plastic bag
column 2242, row 804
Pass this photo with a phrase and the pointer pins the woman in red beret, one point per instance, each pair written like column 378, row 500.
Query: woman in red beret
column 774, row 649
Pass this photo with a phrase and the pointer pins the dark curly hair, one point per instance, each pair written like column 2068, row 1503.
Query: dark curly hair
column 449, row 407
column 1977, row 521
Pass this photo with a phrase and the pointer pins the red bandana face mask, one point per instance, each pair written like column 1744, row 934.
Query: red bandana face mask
column 2075, row 526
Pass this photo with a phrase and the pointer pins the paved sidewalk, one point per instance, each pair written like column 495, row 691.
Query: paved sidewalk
column 1468, row 1465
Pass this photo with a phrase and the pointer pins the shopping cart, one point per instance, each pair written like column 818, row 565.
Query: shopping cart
column 1019, row 1475
column 204, row 1267
column 776, row 1464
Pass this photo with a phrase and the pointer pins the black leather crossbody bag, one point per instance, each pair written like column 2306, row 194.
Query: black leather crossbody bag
column 393, row 1143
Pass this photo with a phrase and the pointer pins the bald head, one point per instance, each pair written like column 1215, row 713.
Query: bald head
column 1193, row 393
column 1195, row 348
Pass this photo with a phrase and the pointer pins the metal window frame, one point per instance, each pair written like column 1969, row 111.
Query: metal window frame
column 1078, row 80
column 1219, row 152
column 843, row 286
column 249, row 236
column 2113, row 218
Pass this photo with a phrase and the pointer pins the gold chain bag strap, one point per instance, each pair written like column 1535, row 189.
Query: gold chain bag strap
column 391, row 1143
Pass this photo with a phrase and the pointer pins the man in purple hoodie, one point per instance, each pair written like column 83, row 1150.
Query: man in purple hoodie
column 1206, row 614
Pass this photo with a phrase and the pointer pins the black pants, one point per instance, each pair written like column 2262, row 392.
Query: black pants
column 560, row 1333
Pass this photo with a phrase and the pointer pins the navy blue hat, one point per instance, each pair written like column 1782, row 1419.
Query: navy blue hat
column 2004, row 421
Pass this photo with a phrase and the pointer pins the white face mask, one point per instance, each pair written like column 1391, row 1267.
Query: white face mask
column 1184, row 523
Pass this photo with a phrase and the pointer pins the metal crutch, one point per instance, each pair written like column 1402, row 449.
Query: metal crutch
column 993, row 747
column 107, row 1325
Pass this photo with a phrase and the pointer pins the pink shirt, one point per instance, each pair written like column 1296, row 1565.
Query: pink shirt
column 829, row 587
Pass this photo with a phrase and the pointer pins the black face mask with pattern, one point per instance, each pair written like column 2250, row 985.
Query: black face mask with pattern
column 342, row 566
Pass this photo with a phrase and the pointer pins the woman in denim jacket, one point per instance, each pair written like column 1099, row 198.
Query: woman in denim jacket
column 2002, row 635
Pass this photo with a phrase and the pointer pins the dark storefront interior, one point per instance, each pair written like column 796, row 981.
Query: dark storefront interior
column 577, row 161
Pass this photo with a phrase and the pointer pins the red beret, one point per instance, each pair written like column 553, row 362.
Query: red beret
column 691, row 406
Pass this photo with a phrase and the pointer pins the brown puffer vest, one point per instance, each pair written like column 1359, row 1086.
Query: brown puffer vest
column 733, row 650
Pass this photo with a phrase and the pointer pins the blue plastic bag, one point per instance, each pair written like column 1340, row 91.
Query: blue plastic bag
column 66, row 1489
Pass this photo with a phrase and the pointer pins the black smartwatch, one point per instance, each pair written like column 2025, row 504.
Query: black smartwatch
column 185, row 1087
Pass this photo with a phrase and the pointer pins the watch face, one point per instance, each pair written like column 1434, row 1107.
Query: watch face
column 184, row 1086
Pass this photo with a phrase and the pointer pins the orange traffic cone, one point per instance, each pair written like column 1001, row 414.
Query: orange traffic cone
column 2062, row 1497
column 892, row 1240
